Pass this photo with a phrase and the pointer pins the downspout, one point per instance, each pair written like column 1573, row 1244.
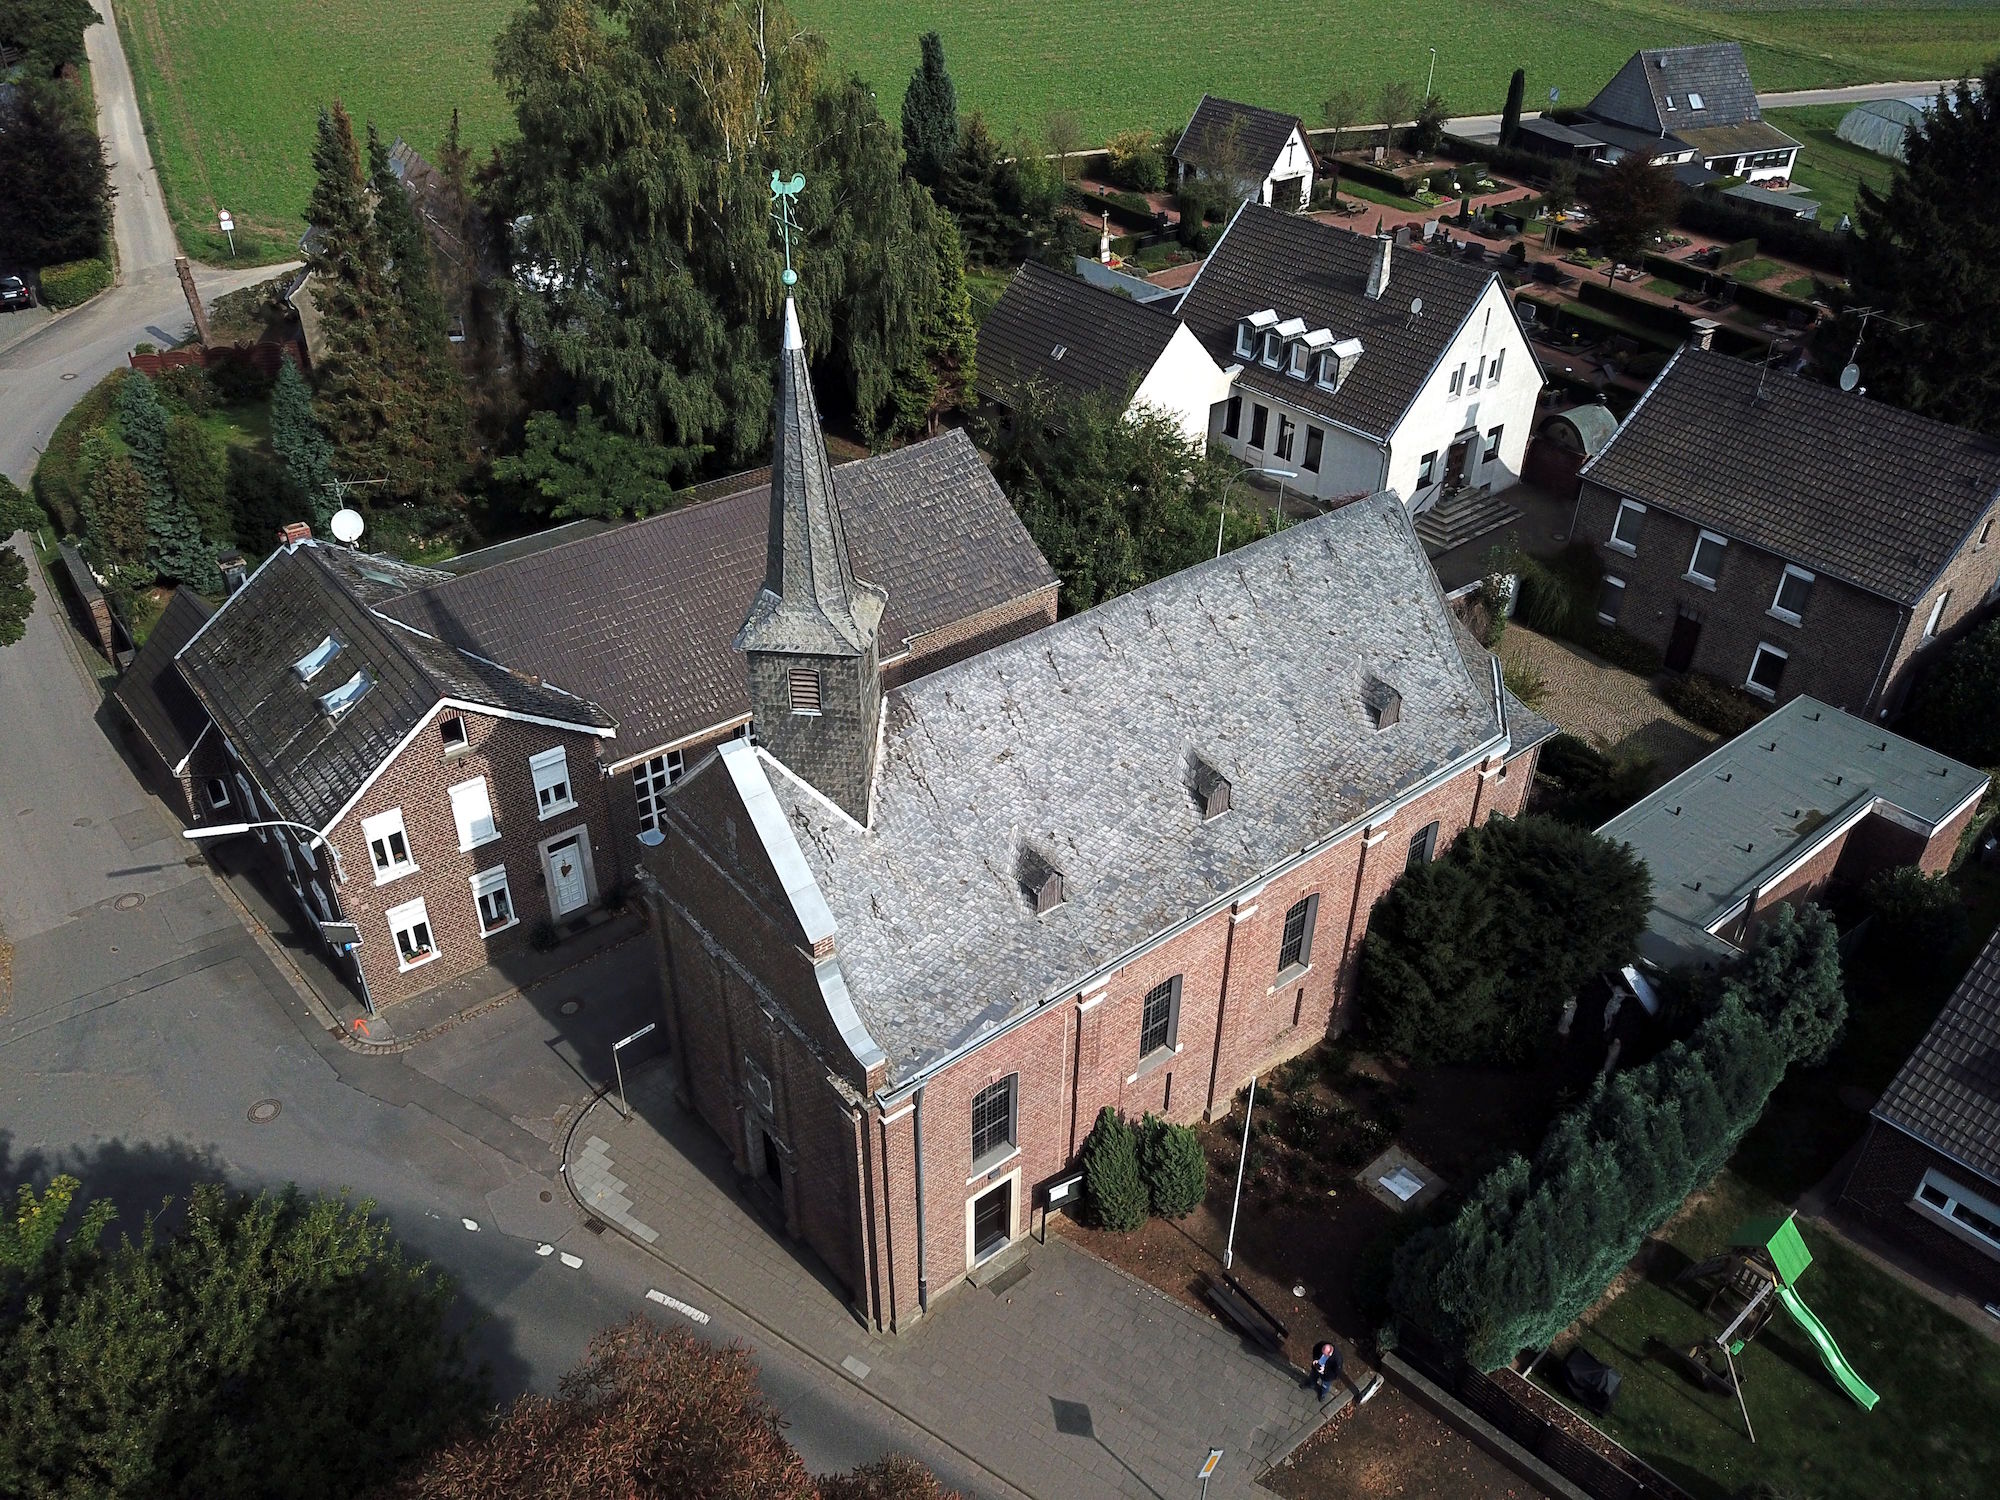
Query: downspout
column 1895, row 641
column 917, row 1141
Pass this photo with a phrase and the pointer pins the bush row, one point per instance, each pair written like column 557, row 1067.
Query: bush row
column 74, row 283
column 1538, row 1241
column 1130, row 1172
column 1712, row 703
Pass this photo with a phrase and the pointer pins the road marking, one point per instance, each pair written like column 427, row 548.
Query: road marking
column 854, row 1367
column 574, row 1262
column 545, row 1250
column 653, row 1294
column 472, row 1224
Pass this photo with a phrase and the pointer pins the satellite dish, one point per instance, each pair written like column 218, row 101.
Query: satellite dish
column 1416, row 307
column 1850, row 376
column 346, row 525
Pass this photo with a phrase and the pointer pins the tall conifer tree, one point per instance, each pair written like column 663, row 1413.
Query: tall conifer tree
column 930, row 115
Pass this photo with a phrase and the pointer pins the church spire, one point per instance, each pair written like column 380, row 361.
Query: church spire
column 810, row 634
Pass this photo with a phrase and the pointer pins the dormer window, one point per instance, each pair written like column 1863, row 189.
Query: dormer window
column 1250, row 332
column 314, row 661
column 1274, row 351
column 1382, row 703
column 344, row 697
column 1338, row 362
column 1212, row 792
column 1301, row 357
column 1042, row 881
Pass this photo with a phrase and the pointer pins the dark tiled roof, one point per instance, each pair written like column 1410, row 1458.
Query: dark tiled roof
column 1948, row 1093
column 152, row 690
column 1225, row 136
column 1637, row 95
column 1837, row 483
column 1555, row 130
column 640, row 619
column 240, row 665
column 1077, row 339
column 1300, row 268
column 1078, row 745
column 521, row 546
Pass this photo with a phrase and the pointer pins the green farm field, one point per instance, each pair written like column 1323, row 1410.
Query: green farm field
column 230, row 87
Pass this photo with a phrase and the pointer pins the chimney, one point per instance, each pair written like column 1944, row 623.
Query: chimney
column 1703, row 332
column 294, row 532
column 1378, row 270
column 235, row 571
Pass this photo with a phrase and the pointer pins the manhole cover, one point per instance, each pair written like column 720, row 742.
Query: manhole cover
column 69, row 375
column 547, row 1196
column 570, row 1007
column 130, row 901
column 264, row 1111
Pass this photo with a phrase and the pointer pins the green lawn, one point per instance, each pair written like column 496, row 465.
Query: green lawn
column 1830, row 169
column 1934, row 1433
column 1755, row 270
column 231, row 87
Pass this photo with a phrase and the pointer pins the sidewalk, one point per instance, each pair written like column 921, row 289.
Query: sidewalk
column 1062, row 1378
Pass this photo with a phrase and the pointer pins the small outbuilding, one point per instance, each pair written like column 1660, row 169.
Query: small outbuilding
column 1882, row 125
column 1262, row 152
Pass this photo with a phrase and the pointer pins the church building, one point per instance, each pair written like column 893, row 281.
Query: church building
column 914, row 937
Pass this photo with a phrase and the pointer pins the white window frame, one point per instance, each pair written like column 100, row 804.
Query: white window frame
column 1272, row 356
column 381, row 826
column 454, row 746
column 406, row 918
column 319, row 658
column 1777, row 611
column 1499, row 364
column 484, row 884
column 1246, row 340
column 1457, row 386
column 1937, row 615
column 1750, row 683
column 1612, row 580
column 1427, row 468
column 1288, row 434
column 1954, row 1196
column 1618, row 543
column 539, row 766
column 471, row 833
column 1299, row 364
column 650, row 781
column 1705, row 580
column 215, row 803
column 1492, row 453
column 1695, row 100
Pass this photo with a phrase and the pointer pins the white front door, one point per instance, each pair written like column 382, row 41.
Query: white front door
column 569, row 886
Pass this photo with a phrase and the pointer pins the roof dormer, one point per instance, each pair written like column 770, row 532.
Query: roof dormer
column 1041, row 880
column 1250, row 332
column 1306, row 353
column 1337, row 362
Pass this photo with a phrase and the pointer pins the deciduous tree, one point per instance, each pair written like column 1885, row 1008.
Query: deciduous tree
column 17, row 602
column 1394, row 103
column 1063, row 133
column 1924, row 252
column 1952, row 706
column 1427, row 134
column 47, row 33
column 1340, row 112
column 930, row 115
column 1633, row 200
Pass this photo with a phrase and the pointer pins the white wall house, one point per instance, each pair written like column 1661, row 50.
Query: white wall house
column 1184, row 384
column 1359, row 365
column 1263, row 153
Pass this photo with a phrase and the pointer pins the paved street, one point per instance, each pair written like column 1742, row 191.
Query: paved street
column 43, row 373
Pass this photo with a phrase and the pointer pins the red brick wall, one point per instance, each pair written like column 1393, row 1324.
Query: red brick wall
column 416, row 781
column 1971, row 577
column 1879, row 1191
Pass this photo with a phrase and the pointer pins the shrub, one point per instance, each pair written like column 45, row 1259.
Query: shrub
column 1176, row 1171
column 74, row 283
column 543, row 937
column 1471, row 957
column 1559, row 594
column 1736, row 254
column 1112, row 1183
column 1952, row 707
column 1538, row 1241
column 1578, row 783
column 1712, row 703
column 187, row 388
column 1919, row 918
column 17, row 511
column 1136, row 162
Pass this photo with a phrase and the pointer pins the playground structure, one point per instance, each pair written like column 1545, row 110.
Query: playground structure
column 1754, row 1279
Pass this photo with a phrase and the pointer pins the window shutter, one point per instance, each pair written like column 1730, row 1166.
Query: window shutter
column 1312, row 916
column 1174, row 1015
column 472, row 811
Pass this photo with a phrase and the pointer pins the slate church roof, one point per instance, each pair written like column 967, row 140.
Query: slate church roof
column 151, row 689
column 242, row 666
column 1076, row 339
column 1948, row 1092
column 1225, row 136
column 1084, row 746
column 1300, row 268
column 640, row 618
column 1852, row 488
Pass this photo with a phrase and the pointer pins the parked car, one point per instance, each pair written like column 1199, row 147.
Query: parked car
column 14, row 294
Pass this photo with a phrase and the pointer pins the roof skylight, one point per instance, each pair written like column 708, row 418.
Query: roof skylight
column 344, row 697
column 314, row 661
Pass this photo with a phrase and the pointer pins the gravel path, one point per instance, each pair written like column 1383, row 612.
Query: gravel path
column 1615, row 710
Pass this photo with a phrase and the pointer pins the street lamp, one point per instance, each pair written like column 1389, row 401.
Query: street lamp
column 1222, row 506
column 230, row 830
column 1242, row 1156
column 1431, row 77
column 624, row 1107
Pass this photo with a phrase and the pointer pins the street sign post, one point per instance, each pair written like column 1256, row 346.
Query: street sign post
column 1208, row 1470
column 619, row 1067
column 228, row 227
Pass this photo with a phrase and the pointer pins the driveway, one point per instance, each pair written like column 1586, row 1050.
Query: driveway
column 44, row 373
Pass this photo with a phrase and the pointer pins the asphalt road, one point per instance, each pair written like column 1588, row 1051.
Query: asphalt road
column 43, row 374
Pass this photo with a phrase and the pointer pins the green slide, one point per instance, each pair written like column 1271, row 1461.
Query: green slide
column 1829, row 1351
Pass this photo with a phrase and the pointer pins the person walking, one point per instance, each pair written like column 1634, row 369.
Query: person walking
column 1328, row 1365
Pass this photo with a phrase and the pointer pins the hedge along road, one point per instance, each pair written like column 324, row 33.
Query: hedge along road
column 45, row 374
column 232, row 87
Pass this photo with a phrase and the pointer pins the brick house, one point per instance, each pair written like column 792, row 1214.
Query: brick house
column 1360, row 365
column 1808, row 798
column 1929, row 1170
column 166, row 714
column 456, row 803
column 1787, row 537
column 917, row 935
